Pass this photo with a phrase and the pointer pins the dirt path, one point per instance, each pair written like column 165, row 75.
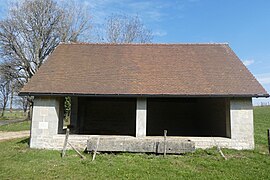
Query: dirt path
column 13, row 135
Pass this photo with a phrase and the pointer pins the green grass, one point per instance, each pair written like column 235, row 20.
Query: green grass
column 16, row 114
column 20, row 126
column 261, row 124
column 18, row 161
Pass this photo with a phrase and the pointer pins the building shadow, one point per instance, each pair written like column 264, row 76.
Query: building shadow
column 24, row 141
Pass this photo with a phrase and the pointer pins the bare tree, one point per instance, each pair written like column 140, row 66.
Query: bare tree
column 31, row 32
column 126, row 29
column 5, row 91
column 76, row 22
column 12, row 92
column 23, row 101
column 9, row 72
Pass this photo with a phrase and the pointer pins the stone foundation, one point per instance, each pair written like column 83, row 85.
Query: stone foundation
column 80, row 141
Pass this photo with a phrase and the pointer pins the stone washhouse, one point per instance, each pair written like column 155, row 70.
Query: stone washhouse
column 128, row 94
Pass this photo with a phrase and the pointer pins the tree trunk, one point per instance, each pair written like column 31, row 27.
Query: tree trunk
column 2, row 114
column 3, row 109
column 11, row 100
column 29, row 115
column 30, row 109
column 24, row 105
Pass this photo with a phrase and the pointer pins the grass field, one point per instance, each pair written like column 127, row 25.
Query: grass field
column 261, row 124
column 17, row 161
column 16, row 114
column 20, row 126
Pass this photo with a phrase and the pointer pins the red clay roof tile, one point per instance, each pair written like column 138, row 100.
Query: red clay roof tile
column 144, row 69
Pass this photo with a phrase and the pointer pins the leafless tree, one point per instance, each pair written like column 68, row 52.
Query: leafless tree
column 76, row 22
column 9, row 71
column 32, row 30
column 12, row 93
column 126, row 29
column 5, row 90
column 23, row 101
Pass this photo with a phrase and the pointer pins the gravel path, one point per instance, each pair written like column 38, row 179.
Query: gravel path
column 13, row 135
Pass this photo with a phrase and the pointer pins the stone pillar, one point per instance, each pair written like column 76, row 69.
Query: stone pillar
column 45, row 121
column 241, row 116
column 141, row 117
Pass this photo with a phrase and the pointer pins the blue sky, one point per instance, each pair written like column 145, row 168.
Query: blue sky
column 244, row 24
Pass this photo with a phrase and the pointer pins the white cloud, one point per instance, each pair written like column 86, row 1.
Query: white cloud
column 263, row 78
column 148, row 11
column 248, row 62
column 160, row 33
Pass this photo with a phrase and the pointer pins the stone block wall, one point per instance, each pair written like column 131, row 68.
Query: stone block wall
column 48, row 111
column 241, row 120
column 45, row 121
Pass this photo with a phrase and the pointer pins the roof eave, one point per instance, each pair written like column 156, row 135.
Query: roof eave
column 142, row 95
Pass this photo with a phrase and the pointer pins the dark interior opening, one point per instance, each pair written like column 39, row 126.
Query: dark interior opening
column 188, row 117
column 107, row 116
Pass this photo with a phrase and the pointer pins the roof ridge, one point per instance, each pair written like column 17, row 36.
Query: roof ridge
column 140, row 44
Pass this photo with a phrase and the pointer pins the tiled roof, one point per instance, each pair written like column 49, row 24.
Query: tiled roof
column 144, row 69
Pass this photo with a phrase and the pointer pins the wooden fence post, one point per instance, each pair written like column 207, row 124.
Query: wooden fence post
column 268, row 136
column 65, row 143
column 96, row 149
column 165, row 143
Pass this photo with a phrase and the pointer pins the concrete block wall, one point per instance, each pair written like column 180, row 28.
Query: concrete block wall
column 45, row 121
column 141, row 115
column 47, row 112
column 241, row 120
column 239, row 127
